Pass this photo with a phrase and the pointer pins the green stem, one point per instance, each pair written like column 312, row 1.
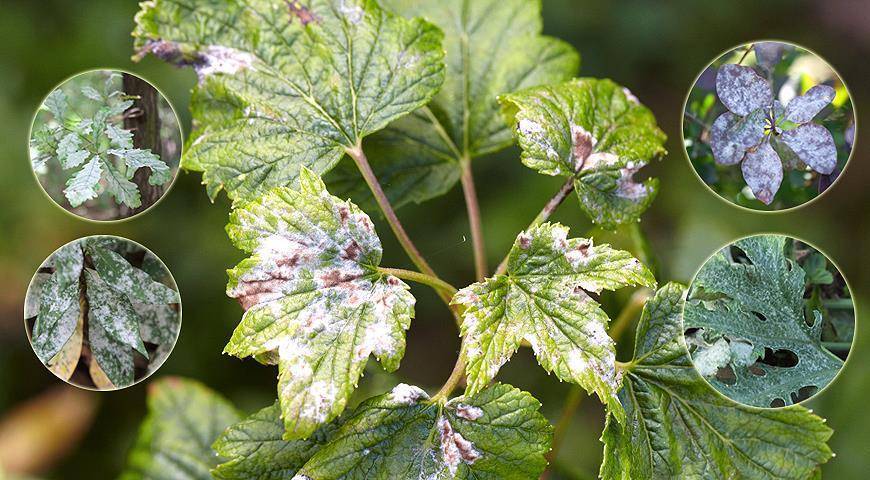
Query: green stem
column 542, row 217
column 473, row 207
column 383, row 202
column 436, row 283
column 746, row 52
column 838, row 346
column 839, row 303
column 455, row 378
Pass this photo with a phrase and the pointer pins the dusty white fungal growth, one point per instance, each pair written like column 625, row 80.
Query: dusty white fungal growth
column 407, row 394
column 468, row 412
column 455, row 449
column 217, row 59
column 709, row 360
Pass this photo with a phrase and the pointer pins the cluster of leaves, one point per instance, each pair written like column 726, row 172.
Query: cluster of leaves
column 753, row 334
column 91, row 144
column 285, row 91
column 768, row 139
column 92, row 309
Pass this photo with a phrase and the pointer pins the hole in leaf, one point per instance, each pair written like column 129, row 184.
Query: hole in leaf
column 776, row 403
column 739, row 256
column 760, row 316
column 780, row 358
column 756, row 370
column 726, row 375
column 804, row 393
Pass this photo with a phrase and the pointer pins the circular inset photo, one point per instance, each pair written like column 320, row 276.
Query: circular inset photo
column 105, row 145
column 102, row 312
column 769, row 126
column 769, row 321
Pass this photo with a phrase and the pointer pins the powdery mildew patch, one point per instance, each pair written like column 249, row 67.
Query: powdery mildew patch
column 455, row 449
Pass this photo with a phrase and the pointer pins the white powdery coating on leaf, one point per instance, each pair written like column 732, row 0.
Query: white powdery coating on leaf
column 580, row 253
column 742, row 90
column 709, row 360
column 762, row 170
column 407, row 394
column 725, row 151
column 536, row 133
column 454, row 447
column 353, row 13
column 301, row 477
column 814, row 145
column 321, row 397
column 630, row 96
column 468, row 412
column 217, row 59
column 802, row 109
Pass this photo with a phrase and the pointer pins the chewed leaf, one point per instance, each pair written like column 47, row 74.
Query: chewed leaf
column 762, row 170
column 592, row 130
column 742, row 90
column 174, row 442
column 731, row 136
column 496, row 434
column 58, row 316
column 804, row 108
column 314, row 296
column 814, row 145
column 256, row 449
column 543, row 299
column 679, row 427
column 291, row 84
column 418, row 157
column 82, row 186
column 760, row 302
column 113, row 312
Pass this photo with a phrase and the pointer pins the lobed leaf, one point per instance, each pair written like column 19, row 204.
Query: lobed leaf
column 543, row 299
column 56, row 102
column 82, row 186
column 759, row 301
column 136, row 158
column 174, row 442
column 679, row 427
column 492, row 48
column 316, row 302
column 497, row 433
column 286, row 85
column 596, row 132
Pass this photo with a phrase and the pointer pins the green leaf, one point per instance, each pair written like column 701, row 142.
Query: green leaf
column 543, row 299
column 314, row 296
column 492, row 48
column 257, row 450
column 285, row 85
column 816, row 270
column 56, row 103
column 596, row 132
column 67, row 262
column 125, row 279
column 136, row 158
column 114, row 358
column 82, row 186
column 497, row 433
column 758, row 299
column 174, row 442
column 679, row 427
column 58, row 315
column 113, row 312
column 90, row 92
column 70, row 153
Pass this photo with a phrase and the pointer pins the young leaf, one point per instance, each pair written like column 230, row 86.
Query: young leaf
column 595, row 132
column 136, row 158
column 58, row 315
column 257, row 450
column 70, row 153
column 543, row 299
column 495, row 48
column 128, row 280
column 314, row 295
column 82, row 186
column 816, row 269
column 289, row 84
column 113, row 312
column 497, row 433
column 679, row 427
column 760, row 301
column 174, row 442
column 56, row 103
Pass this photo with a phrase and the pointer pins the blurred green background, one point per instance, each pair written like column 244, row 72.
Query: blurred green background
column 655, row 48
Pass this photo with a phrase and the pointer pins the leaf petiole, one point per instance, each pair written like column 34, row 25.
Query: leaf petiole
column 436, row 283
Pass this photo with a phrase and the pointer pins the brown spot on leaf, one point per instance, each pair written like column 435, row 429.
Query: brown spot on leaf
column 524, row 241
column 336, row 277
column 343, row 213
column 297, row 10
column 454, row 447
column 582, row 145
column 251, row 293
column 391, row 280
column 352, row 251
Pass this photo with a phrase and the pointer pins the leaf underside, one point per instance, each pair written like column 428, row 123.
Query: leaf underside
column 758, row 300
column 316, row 303
column 492, row 48
column 284, row 85
column 679, row 427
column 543, row 299
column 174, row 441
column 595, row 132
